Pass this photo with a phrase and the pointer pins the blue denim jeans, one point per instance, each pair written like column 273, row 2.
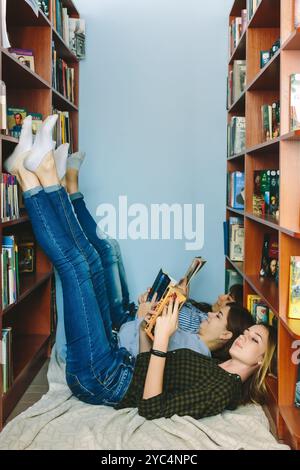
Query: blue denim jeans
column 96, row 372
column 111, row 258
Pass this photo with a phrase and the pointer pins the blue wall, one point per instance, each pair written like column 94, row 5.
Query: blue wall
column 153, row 122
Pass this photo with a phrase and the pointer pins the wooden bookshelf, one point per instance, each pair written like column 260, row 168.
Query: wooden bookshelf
column 272, row 20
column 30, row 316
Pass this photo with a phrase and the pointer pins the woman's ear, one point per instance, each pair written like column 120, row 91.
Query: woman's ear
column 227, row 335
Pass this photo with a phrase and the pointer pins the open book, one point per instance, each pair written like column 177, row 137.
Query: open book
column 165, row 287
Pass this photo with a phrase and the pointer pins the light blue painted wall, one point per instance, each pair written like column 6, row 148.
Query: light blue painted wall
column 153, row 122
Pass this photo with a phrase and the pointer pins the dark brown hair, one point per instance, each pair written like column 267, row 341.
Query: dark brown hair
column 239, row 319
column 236, row 292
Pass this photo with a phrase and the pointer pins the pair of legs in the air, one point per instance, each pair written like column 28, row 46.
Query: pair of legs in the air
column 96, row 371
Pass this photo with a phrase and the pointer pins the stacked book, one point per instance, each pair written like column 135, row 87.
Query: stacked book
column 252, row 7
column 236, row 82
column 234, row 238
column 236, row 190
column 63, row 77
column 270, row 121
column 266, row 193
column 10, row 271
column 9, row 198
column 63, row 133
column 6, row 359
column 236, row 136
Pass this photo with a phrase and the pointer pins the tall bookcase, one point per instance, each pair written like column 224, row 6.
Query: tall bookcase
column 272, row 19
column 30, row 317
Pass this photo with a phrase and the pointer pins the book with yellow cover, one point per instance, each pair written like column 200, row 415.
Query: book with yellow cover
column 294, row 297
column 167, row 288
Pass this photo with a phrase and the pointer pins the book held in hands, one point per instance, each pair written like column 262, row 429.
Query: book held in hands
column 167, row 288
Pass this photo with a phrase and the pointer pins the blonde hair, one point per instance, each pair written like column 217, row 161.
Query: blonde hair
column 254, row 389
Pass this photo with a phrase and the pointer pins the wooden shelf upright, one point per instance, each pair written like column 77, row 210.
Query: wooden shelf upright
column 272, row 20
column 30, row 317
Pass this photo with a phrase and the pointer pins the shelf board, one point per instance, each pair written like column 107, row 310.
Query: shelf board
column 237, row 7
column 28, row 284
column 267, row 220
column 292, row 326
column 21, row 220
column 239, row 212
column 237, row 265
column 20, row 14
column 236, row 157
column 240, row 51
column 29, row 353
column 271, row 146
column 19, row 76
column 291, row 417
column 269, row 77
column 293, row 42
column 63, row 49
column 291, row 136
column 71, row 7
column 266, row 289
column 267, row 15
column 9, row 138
column 239, row 105
column 60, row 102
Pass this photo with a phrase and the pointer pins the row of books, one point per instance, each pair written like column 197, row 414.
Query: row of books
column 236, row 190
column 236, row 136
column 270, row 121
column 63, row 77
column 72, row 30
column 266, row 193
column 260, row 312
column 237, row 28
column 9, row 198
column 234, row 238
column 252, row 6
column 63, row 132
column 6, row 359
column 236, row 84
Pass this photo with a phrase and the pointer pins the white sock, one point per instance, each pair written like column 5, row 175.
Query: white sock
column 76, row 160
column 60, row 157
column 23, row 147
column 43, row 144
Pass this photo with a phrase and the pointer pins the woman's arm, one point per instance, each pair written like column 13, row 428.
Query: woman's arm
column 166, row 325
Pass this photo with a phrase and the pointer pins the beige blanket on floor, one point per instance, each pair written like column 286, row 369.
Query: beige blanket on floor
column 60, row 421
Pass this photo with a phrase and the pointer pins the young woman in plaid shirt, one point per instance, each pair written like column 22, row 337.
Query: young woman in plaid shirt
column 160, row 384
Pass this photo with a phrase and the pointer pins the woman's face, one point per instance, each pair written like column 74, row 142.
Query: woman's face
column 250, row 347
column 215, row 327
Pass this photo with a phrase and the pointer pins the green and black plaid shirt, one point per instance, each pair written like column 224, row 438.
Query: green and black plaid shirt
column 194, row 385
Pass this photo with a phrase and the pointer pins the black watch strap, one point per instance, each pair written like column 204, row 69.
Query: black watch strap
column 157, row 353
